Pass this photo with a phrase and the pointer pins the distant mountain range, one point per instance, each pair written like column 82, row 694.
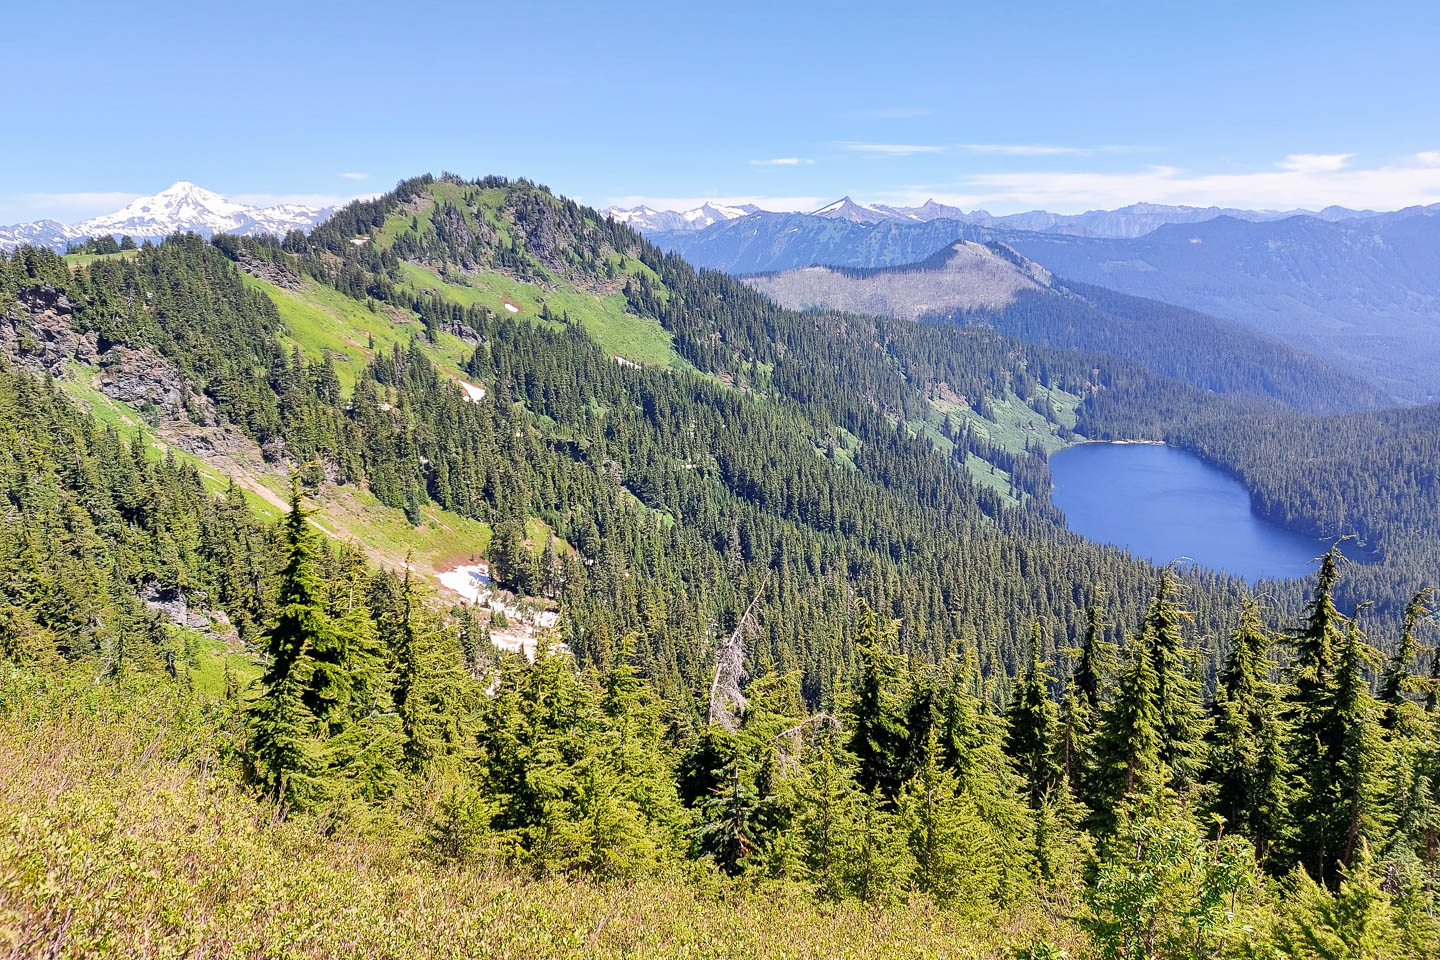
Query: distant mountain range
column 1135, row 220
column 993, row 285
column 645, row 219
column 180, row 207
column 1362, row 291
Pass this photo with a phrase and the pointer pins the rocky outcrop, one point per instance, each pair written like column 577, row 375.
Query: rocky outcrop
column 142, row 378
column 37, row 332
column 274, row 273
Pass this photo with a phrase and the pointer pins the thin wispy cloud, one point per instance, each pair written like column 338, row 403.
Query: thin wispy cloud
column 1315, row 162
column 70, row 206
column 889, row 149
column 778, row 204
column 783, row 162
column 1297, row 181
column 355, row 176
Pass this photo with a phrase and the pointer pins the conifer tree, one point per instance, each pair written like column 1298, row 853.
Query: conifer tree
column 935, row 822
column 827, row 819
column 727, row 830
column 1338, row 747
column 1030, row 740
column 1096, row 656
column 1181, row 725
column 1340, row 804
column 1127, row 748
column 1247, row 770
column 1398, row 682
column 1075, row 731
column 284, row 730
column 877, row 738
column 879, row 865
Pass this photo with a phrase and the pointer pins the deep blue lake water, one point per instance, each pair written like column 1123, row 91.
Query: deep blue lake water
column 1160, row 503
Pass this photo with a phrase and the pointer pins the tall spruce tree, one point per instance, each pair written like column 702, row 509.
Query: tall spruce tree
column 877, row 736
column 1399, row 682
column 1247, row 769
column 1177, row 686
column 1095, row 658
column 1128, row 758
column 1330, row 716
column 1342, row 809
column 1030, row 740
column 285, row 733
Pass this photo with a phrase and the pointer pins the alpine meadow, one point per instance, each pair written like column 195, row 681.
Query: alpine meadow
column 460, row 569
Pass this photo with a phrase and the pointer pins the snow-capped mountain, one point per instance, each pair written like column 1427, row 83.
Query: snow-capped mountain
column 182, row 206
column 1136, row 220
column 649, row 220
column 847, row 209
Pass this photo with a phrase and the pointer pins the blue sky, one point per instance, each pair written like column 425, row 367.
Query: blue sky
column 1067, row 106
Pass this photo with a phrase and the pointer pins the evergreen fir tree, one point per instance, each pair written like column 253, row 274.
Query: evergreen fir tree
column 284, row 729
column 877, row 738
column 1247, row 770
column 1095, row 656
column 1181, row 724
column 1128, row 758
column 1030, row 741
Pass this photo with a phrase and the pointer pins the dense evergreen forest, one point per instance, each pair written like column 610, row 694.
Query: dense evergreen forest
column 802, row 645
column 1217, row 356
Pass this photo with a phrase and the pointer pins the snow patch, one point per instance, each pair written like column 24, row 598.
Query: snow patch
column 473, row 393
column 472, row 581
column 511, row 307
column 468, row 580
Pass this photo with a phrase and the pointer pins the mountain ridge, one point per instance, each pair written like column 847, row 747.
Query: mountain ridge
column 181, row 207
column 1133, row 220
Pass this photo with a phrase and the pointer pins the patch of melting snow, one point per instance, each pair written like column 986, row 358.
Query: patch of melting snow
column 511, row 307
column 468, row 580
column 359, row 241
column 473, row 393
column 472, row 581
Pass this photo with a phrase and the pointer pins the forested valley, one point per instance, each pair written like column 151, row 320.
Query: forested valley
column 824, row 662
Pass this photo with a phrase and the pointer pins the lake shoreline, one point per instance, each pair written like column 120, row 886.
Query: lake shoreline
column 1159, row 501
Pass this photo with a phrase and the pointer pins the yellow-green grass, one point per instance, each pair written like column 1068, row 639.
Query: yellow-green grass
column 124, row 833
column 78, row 260
column 211, row 657
column 322, row 321
column 348, row 514
column 607, row 320
column 1015, row 425
column 489, row 202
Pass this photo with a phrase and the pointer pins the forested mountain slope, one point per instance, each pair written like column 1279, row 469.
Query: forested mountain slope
column 1359, row 292
column 620, row 437
column 992, row 285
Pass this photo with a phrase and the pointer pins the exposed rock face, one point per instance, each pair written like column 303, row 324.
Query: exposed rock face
column 37, row 333
column 141, row 377
column 269, row 272
column 175, row 606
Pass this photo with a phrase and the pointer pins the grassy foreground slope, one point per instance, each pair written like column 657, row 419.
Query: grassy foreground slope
column 121, row 836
